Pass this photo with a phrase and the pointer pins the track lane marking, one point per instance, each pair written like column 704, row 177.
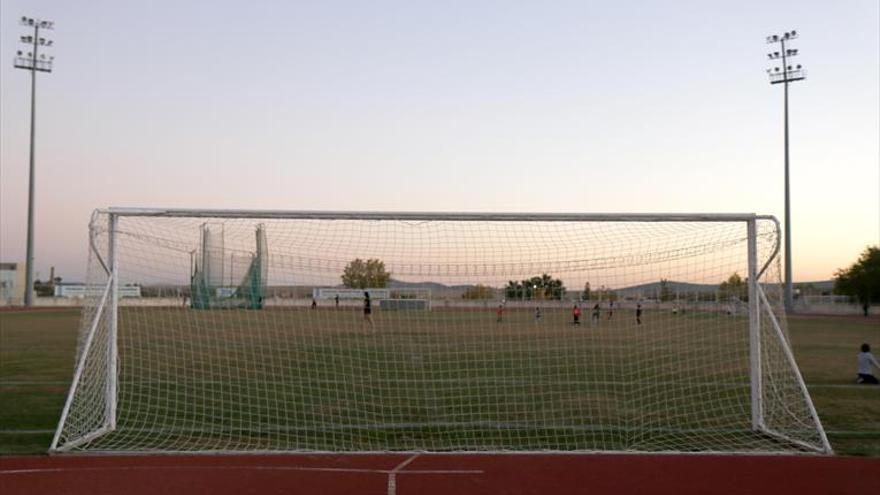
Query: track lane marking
column 392, row 475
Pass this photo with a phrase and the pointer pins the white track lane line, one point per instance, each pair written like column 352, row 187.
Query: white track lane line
column 392, row 475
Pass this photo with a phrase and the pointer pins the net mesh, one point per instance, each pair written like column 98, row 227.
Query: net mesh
column 487, row 357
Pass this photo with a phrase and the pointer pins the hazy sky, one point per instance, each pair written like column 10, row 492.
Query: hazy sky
column 653, row 106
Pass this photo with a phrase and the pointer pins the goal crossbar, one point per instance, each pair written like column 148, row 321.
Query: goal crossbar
column 435, row 216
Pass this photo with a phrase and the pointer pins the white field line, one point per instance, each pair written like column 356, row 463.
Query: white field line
column 512, row 425
column 466, row 381
column 12, row 431
column 399, row 380
column 414, row 425
column 392, row 475
column 122, row 430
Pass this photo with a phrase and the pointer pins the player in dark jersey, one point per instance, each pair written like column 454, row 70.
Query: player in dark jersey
column 638, row 314
column 368, row 309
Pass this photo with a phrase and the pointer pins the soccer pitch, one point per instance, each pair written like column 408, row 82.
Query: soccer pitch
column 455, row 379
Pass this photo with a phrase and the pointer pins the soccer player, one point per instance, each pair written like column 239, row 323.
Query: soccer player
column 638, row 314
column 576, row 315
column 610, row 309
column 595, row 315
column 499, row 313
column 314, row 304
column 866, row 362
column 337, row 300
column 538, row 314
column 368, row 309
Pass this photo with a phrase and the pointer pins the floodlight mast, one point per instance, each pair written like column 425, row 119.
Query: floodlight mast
column 788, row 75
column 33, row 62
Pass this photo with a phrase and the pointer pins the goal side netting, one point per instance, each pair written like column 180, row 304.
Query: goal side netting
column 347, row 332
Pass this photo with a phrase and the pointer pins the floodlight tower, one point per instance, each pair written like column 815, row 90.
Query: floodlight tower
column 785, row 75
column 34, row 62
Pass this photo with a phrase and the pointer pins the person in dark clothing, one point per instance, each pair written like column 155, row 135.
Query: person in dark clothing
column 368, row 309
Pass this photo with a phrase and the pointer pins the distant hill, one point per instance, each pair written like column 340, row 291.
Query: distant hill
column 647, row 290
column 654, row 288
column 438, row 290
column 686, row 287
column 397, row 284
column 651, row 289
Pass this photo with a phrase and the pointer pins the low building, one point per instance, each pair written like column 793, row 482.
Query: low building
column 80, row 291
column 12, row 282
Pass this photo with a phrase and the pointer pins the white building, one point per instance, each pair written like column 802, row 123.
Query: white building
column 79, row 291
column 12, row 281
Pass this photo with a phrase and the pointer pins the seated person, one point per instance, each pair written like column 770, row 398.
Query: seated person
column 866, row 362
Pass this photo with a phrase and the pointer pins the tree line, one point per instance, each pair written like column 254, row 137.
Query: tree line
column 861, row 280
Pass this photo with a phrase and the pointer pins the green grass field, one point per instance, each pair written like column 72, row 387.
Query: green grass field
column 175, row 380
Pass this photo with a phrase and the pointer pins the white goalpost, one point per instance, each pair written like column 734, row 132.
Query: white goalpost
column 469, row 343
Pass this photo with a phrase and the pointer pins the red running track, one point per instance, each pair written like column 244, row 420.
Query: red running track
column 434, row 474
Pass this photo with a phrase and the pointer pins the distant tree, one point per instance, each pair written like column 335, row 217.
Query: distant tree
column 478, row 291
column 862, row 279
column 513, row 290
column 360, row 274
column 587, row 291
column 665, row 290
column 733, row 287
column 549, row 287
column 537, row 287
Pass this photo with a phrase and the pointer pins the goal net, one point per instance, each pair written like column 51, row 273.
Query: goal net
column 653, row 333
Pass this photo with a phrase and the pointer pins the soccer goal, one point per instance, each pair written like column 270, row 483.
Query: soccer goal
column 657, row 363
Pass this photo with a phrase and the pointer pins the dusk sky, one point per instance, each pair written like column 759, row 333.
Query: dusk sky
column 653, row 106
